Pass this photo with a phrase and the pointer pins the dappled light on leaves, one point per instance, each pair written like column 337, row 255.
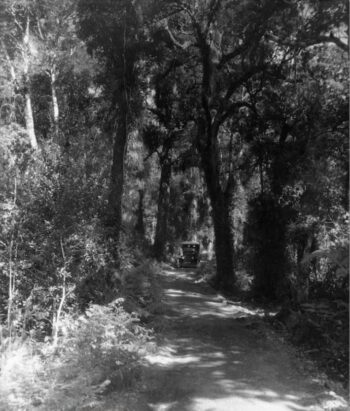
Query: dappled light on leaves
column 154, row 151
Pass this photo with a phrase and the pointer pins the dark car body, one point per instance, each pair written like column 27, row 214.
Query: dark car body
column 190, row 254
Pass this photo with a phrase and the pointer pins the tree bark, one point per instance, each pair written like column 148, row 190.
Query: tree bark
column 55, row 107
column 193, row 224
column 224, row 238
column 222, row 203
column 163, row 211
column 305, row 246
column 117, row 177
column 28, row 110
column 140, row 225
column 29, row 119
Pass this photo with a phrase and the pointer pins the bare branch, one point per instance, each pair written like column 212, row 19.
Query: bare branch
column 241, row 80
column 182, row 46
column 169, row 14
column 230, row 56
column 312, row 42
column 41, row 35
column 11, row 66
column 148, row 156
column 335, row 40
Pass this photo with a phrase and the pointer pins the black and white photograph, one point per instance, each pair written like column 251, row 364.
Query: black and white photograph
column 174, row 205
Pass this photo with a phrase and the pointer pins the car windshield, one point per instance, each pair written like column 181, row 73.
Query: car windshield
column 193, row 246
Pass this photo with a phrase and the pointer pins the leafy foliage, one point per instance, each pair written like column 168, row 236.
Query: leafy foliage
column 100, row 350
column 127, row 127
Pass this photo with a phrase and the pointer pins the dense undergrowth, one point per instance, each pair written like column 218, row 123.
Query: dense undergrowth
column 73, row 318
column 96, row 351
column 320, row 328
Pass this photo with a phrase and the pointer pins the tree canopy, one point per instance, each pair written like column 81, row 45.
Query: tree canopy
column 128, row 127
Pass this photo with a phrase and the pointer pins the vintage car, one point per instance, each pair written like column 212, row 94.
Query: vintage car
column 189, row 254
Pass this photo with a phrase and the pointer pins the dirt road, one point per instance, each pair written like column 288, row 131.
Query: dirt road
column 214, row 358
column 219, row 356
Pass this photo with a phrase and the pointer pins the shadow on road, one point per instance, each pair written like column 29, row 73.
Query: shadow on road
column 220, row 357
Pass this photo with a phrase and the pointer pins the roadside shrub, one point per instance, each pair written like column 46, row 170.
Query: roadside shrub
column 206, row 270
column 21, row 375
column 105, row 342
column 330, row 262
column 91, row 261
column 142, row 290
column 244, row 281
column 99, row 351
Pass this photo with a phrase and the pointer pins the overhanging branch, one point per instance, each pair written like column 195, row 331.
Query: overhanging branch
column 241, row 80
column 177, row 43
column 332, row 39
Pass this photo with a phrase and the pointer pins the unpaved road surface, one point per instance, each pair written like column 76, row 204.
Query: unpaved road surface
column 215, row 356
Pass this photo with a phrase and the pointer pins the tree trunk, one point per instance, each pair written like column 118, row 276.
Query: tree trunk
column 194, row 219
column 306, row 245
column 54, row 100
column 222, row 202
column 224, row 239
column 117, row 178
column 29, row 119
column 28, row 110
column 140, row 225
column 163, row 210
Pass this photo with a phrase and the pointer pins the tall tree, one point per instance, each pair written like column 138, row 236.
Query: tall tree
column 303, row 125
column 20, row 49
column 55, row 31
column 113, row 31
column 163, row 145
column 168, row 136
column 229, row 46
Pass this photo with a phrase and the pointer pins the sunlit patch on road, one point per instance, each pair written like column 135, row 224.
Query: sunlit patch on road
column 209, row 360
